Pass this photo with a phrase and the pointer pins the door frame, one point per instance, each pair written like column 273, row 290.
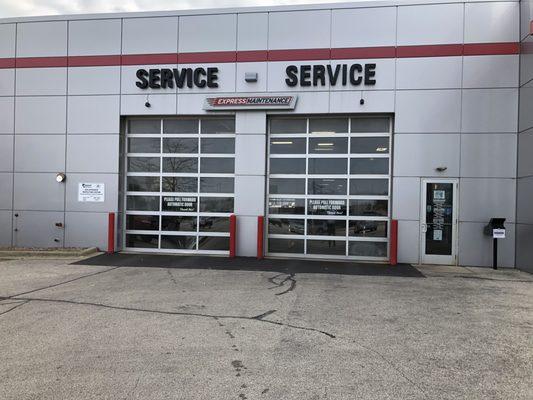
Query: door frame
column 432, row 258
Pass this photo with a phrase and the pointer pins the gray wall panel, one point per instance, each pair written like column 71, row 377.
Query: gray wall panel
column 83, row 150
column 38, row 229
column 40, row 153
column 6, row 153
column 5, row 228
column 38, row 191
column 481, row 199
column 86, row 229
column 6, row 191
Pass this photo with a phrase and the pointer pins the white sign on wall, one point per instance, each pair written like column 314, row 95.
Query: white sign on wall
column 91, row 192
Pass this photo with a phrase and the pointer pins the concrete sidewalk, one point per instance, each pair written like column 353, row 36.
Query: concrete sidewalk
column 108, row 332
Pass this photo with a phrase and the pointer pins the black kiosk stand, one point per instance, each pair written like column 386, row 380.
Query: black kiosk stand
column 496, row 229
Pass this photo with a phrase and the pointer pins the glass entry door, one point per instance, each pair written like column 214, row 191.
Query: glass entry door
column 439, row 221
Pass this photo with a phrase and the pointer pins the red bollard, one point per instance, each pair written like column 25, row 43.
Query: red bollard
column 232, row 235
column 111, row 233
column 260, row 225
column 393, row 242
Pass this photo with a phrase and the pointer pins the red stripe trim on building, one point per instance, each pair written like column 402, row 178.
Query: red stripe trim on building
column 437, row 50
column 93, row 61
column 440, row 50
column 140, row 59
column 252, row 56
column 299, row 55
column 493, row 49
column 208, row 57
column 363, row 52
column 7, row 63
column 41, row 62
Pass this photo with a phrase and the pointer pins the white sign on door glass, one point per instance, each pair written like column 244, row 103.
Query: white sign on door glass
column 91, row 192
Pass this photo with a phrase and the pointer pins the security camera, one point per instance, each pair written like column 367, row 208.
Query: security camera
column 362, row 101
column 147, row 104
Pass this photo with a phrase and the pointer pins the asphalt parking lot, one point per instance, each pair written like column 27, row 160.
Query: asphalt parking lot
column 210, row 329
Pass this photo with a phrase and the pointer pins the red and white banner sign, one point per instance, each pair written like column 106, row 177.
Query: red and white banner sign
column 250, row 102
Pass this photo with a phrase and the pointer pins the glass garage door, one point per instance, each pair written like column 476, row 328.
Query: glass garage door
column 329, row 185
column 179, row 184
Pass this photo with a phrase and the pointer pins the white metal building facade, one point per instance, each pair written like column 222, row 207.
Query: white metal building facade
column 329, row 120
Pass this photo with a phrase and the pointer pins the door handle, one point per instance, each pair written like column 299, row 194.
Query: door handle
column 424, row 228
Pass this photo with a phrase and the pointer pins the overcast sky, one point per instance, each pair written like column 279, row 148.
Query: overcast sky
column 18, row 8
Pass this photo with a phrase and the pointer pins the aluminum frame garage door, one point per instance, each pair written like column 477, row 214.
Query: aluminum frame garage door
column 329, row 187
column 179, row 184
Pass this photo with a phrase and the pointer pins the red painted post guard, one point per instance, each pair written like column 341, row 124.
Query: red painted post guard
column 393, row 242
column 260, row 225
column 111, row 233
column 232, row 235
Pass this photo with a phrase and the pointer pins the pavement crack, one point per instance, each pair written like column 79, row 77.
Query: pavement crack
column 265, row 314
column 281, row 283
column 178, row 313
column 393, row 366
column 171, row 277
column 14, row 307
column 58, row 284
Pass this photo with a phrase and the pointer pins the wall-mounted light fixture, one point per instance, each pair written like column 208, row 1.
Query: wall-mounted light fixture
column 60, row 177
column 441, row 169
column 250, row 76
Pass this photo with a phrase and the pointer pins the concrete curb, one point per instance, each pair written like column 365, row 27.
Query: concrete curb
column 67, row 253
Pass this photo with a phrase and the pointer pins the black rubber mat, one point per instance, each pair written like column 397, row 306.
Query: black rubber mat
column 251, row 264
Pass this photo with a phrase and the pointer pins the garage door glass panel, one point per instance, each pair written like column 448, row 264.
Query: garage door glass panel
column 326, row 247
column 217, row 146
column 215, row 165
column 369, row 166
column 336, row 205
column 370, row 125
column 143, row 222
column 290, row 246
column 326, row 186
column 369, row 145
column 288, row 125
column 287, row 145
column 142, row 203
column 180, row 164
column 328, row 145
column 178, row 223
column 328, row 125
column 218, row 125
column 286, row 226
column 287, row 186
column 180, row 184
column 184, row 125
column 327, row 166
column 368, row 228
column 142, row 241
column 180, row 145
column 287, row 166
column 143, row 184
column 144, row 164
column 168, row 163
column 178, row 242
column 144, row 125
column 327, row 227
column 286, row 206
column 144, row 145
column 372, row 187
